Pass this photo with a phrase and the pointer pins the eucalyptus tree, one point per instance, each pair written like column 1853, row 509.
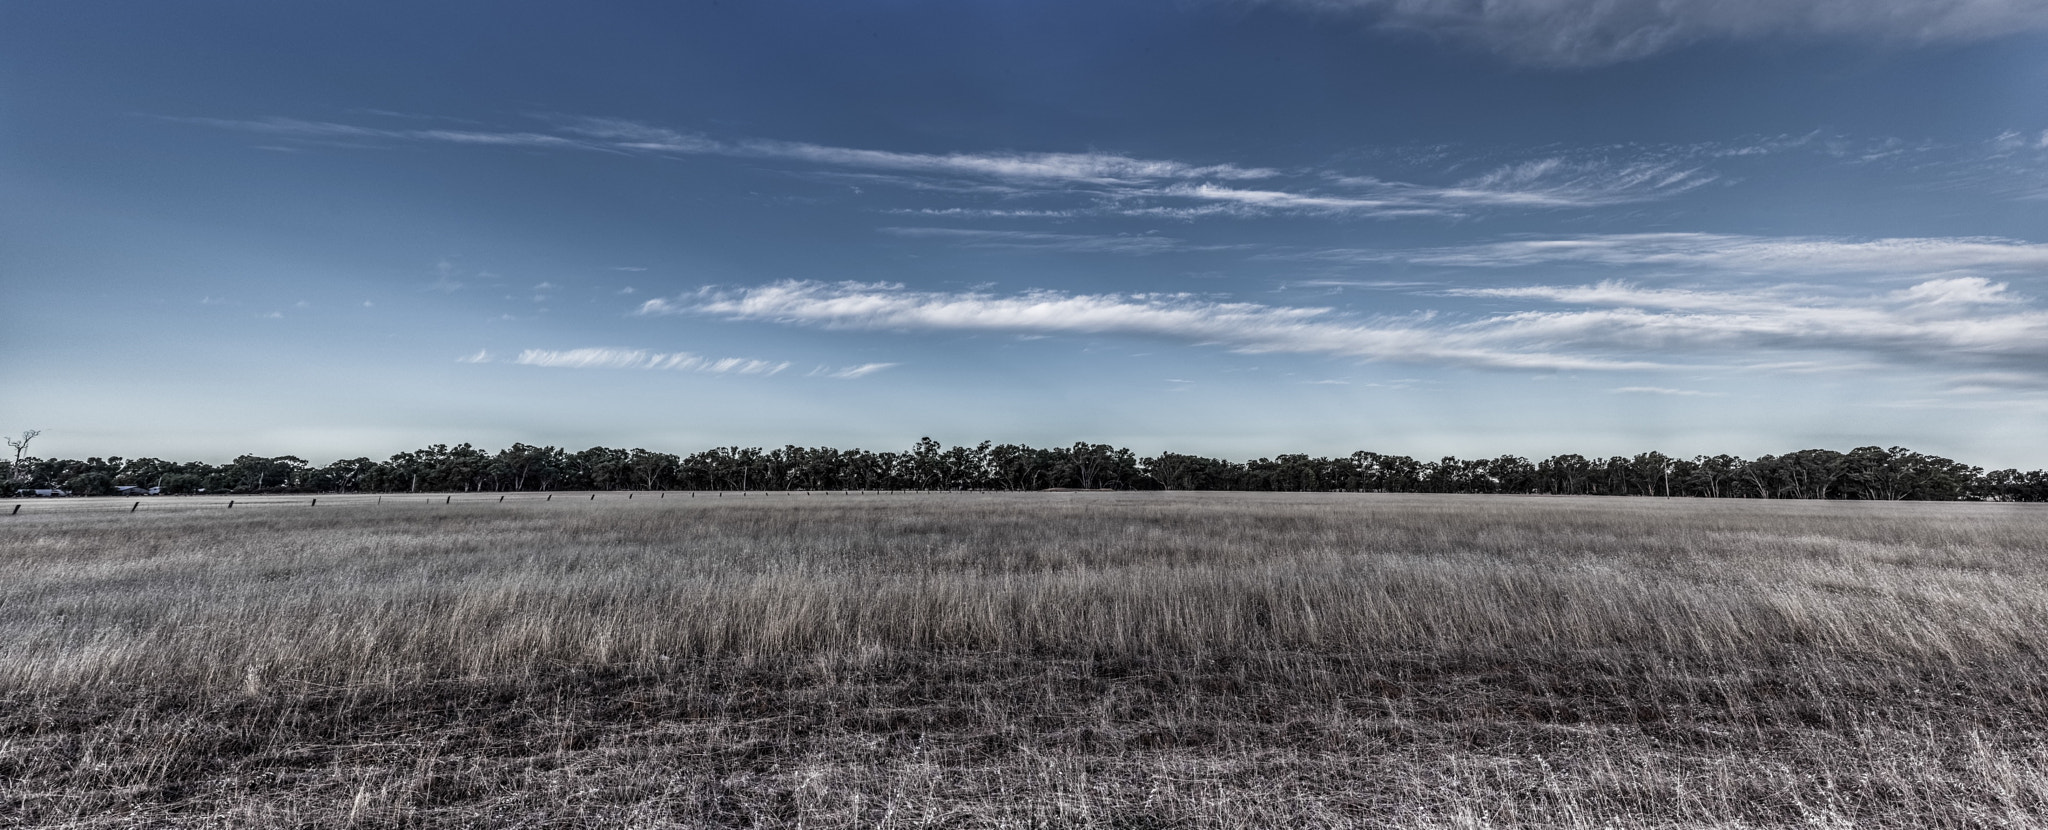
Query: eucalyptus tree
column 650, row 470
column 16, row 472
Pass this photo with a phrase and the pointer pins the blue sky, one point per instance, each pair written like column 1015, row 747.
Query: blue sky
column 1230, row 228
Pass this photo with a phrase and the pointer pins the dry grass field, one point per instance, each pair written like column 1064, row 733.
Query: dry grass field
column 1024, row 660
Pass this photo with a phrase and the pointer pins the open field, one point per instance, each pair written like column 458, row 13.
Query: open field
column 1023, row 660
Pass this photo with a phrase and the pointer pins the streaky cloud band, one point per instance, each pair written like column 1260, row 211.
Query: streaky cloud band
column 1956, row 321
column 1571, row 33
column 1106, row 184
column 1777, row 256
column 608, row 358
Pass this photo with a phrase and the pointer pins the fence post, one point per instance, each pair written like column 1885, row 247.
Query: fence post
column 231, row 504
column 501, row 499
column 132, row 509
column 316, row 503
column 551, row 497
column 448, row 500
column 593, row 497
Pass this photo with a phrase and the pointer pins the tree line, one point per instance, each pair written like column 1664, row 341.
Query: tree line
column 1886, row 473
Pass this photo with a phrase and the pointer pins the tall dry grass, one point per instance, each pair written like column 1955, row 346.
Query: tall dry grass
column 1028, row 660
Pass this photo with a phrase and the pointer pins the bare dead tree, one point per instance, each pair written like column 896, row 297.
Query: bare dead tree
column 20, row 446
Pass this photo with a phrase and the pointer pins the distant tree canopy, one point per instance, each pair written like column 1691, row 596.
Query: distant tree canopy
column 1877, row 473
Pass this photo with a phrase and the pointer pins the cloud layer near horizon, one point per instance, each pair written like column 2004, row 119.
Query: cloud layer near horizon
column 1946, row 322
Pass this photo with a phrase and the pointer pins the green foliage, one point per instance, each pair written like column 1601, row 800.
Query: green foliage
column 180, row 483
column 90, row 484
column 1864, row 473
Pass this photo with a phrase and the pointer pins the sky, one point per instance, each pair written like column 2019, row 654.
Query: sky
column 1224, row 227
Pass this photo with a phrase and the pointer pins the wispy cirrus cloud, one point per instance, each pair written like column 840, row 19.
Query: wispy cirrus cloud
column 1248, row 327
column 1138, row 244
column 1943, row 323
column 643, row 359
column 1100, row 168
column 1539, row 184
column 611, row 358
column 1664, row 390
column 1946, row 322
column 1779, row 256
column 858, row 372
column 1095, row 183
column 618, row 135
column 1592, row 32
column 1560, row 182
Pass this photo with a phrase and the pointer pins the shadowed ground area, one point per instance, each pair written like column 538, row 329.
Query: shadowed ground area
column 1025, row 660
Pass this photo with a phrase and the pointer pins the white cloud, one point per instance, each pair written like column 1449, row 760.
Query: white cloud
column 1593, row 32
column 620, row 135
column 606, row 358
column 1247, row 327
column 1060, row 242
column 1540, row 184
column 861, row 371
column 1096, row 168
column 1109, row 183
column 481, row 356
column 1957, row 291
column 1561, row 182
column 1661, row 390
column 1999, row 382
column 1615, row 293
column 1934, row 322
column 1781, row 256
column 1285, row 200
column 1944, row 322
